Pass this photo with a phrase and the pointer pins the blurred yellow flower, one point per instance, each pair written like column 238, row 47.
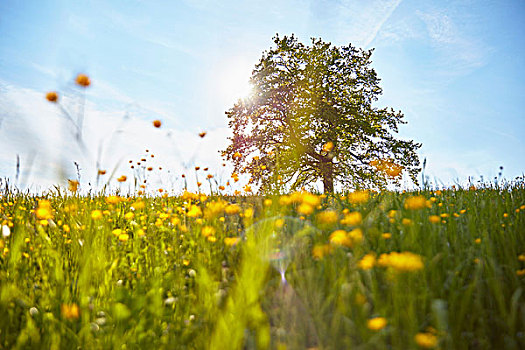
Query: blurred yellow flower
column 305, row 209
column 367, row 262
column 96, row 214
column 426, row 340
column 434, row 219
column 83, row 80
column 327, row 147
column 352, row 219
column 208, row 231
column 157, row 123
column 358, row 197
column 417, row 202
column 376, row 323
column 194, row 211
column 327, row 217
column 319, row 251
column 52, row 96
column 73, row 185
column 70, row 311
column 231, row 241
column 340, row 237
column 232, row 209
column 123, row 237
column 403, row 262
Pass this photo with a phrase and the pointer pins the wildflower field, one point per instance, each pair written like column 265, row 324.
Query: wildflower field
column 360, row 270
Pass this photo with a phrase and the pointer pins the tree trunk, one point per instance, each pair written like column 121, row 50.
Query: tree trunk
column 327, row 170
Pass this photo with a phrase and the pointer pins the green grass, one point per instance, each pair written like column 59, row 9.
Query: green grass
column 169, row 286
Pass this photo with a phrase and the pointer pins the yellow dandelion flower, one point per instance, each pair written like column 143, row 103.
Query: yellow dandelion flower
column 305, row 209
column 96, row 214
column 416, row 203
column 129, row 215
column 340, row 237
column 376, row 323
column 352, row 219
column 327, row 217
column 319, row 251
column 194, row 212
column 386, row 235
column 83, row 80
column 232, row 209
column 122, row 178
column 406, row 222
column 434, row 219
column 231, row 241
column 123, row 237
column 367, row 262
column 327, row 147
column 70, row 311
column 52, row 96
column 426, row 340
column 117, row 232
column 73, row 185
column 208, row 231
column 358, row 197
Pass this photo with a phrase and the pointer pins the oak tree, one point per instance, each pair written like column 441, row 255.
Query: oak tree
column 312, row 117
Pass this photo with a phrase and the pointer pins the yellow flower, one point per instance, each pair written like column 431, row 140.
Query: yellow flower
column 194, row 211
column 352, row 219
column 386, row 235
column 129, row 215
column 202, row 134
column 113, row 199
column 434, row 219
column 477, row 240
column 319, row 251
column 102, row 172
column 340, row 237
column 96, row 214
column 367, row 262
column 70, row 311
column 402, row 262
column 138, row 205
column 232, row 209
column 520, row 272
column 358, row 197
column 157, row 123
column 116, row 232
column 327, row 217
column 83, row 80
column 426, row 340
column 123, row 237
column 52, row 96
column 208, row 231
column 122, row 178
column 327, row 147
column 305, row 209
column 44, row 210
column 73, row 185
column 406, row 222
column 231, row 241
column 521, row 257
column 376, row 323
column 416, row 203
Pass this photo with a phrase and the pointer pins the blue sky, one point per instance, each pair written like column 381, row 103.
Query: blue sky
column 455, row 68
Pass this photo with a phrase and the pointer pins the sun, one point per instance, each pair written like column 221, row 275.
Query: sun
column 232, row 81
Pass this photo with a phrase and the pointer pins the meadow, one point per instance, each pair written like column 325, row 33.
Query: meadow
column 441, row 269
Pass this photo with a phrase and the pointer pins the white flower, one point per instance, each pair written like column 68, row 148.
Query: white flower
column 6, row 231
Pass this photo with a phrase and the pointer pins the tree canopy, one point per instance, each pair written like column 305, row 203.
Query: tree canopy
column 311, row 117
